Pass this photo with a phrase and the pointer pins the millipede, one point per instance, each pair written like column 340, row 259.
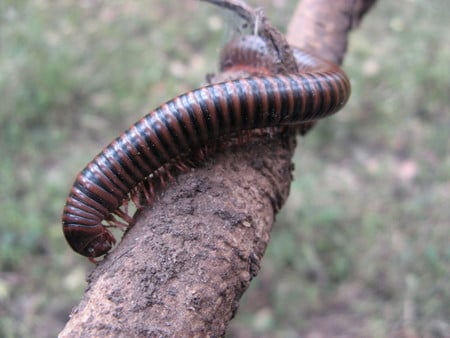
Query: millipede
column 189, row 122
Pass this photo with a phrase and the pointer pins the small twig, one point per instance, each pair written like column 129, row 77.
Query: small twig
column 261, row 26
column 240, row 8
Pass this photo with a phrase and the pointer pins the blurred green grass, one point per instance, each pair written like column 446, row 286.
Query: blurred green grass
column 362, row 246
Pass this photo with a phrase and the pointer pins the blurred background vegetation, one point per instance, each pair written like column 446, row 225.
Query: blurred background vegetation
column 362, row 247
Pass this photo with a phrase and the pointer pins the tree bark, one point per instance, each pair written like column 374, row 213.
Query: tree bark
column 182, row 268
column 322, row 26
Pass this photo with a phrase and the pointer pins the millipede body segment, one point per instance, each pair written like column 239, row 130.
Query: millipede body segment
column 192, row 120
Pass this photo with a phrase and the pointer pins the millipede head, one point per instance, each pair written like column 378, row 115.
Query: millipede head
column 92, row 242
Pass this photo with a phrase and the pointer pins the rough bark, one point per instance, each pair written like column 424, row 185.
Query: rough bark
column 182, row 268
column 322, row 26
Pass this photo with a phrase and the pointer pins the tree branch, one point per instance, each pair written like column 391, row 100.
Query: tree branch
column 322, row 26
column 182, row 268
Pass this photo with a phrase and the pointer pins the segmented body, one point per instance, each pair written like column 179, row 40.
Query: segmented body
column 190, row 121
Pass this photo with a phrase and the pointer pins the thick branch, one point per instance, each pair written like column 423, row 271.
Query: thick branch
column 322, row 26
column 182, row 268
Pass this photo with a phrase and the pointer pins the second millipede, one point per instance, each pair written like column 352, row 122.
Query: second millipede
column 192, row 120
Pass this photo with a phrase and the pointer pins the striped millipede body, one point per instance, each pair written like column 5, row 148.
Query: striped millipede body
column 191, row 120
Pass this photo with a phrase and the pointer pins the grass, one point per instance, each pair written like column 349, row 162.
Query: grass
column 360, row 248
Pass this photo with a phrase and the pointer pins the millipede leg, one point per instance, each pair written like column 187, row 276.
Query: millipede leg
column 114, row 222
column 181, row 166
column 136, row 196
column 125, row 206
column 149, row 192
column 93, row 260
column 122, row 214
column 169, row 172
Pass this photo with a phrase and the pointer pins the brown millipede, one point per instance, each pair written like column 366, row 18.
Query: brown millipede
column 191, row 120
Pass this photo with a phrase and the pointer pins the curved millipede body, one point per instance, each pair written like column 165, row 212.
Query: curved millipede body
column 191, row 120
